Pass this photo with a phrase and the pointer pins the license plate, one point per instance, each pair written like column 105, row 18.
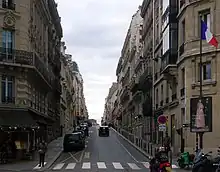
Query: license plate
column 168, row 169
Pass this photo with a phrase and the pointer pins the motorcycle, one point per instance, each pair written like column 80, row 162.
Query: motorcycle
column 160, row 163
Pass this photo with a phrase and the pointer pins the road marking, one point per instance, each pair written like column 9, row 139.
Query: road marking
column 101, row 165
column 146, row 164
column 70, row 166
column 133, row 166
column 86, row 165
column 81, row 155
column 86, row 155
column 90, row 131
column 72, row 156
column 37, row 166
column 174, row 166
column 128, row 152
column 117, row 165
column 58, row 166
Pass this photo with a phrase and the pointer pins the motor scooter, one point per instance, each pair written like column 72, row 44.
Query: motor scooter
column 202, row 162
column 160, row 163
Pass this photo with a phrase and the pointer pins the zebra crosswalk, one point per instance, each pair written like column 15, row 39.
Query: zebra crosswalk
column 101, row 165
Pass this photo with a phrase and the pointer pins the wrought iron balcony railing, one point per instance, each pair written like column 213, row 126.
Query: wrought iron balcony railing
column 26, row 58
column 8, row 100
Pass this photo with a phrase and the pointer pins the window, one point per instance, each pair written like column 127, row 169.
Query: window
column 7, row 44
column 7, row 89
column 183, row 77
column 207, row 71
column 161, row 92
column 166, row 40
column 167, row 90
column 9, row 4
column 157, row 95
column 183, row 31
column 206, row 17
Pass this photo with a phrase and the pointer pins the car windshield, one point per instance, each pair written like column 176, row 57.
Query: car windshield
column 103, row 129
column 72, row 137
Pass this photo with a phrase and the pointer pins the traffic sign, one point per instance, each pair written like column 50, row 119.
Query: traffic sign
column 162, row 119
column 162, row 127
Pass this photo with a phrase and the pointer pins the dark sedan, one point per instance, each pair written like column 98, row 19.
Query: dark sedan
column 73, row 141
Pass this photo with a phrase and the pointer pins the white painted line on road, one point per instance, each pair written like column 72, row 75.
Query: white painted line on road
column 90, row 131
column 86, row 155
column 86, row 165
column 72, row 156
column 117, row 165
column 174, row 166
column 146, row 164
column 58, row 166
column 128, row 152
column 101, row 165
column 133, row 166
column 70, row 166
column 37, row 166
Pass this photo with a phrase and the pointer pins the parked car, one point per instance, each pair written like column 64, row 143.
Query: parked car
column 73, row 141
column 81, row 131
column 103, row 131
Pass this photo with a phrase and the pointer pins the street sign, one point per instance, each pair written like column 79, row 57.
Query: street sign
column 162, row 119
column 162, row 127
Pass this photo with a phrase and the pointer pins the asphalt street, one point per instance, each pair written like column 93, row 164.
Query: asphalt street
column 103, row 154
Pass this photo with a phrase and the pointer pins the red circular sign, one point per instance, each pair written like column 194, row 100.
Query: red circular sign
column 162, row 119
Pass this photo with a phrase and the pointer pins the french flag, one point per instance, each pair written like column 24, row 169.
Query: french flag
column 207, row 35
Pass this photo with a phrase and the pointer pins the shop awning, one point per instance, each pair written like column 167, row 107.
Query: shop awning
column 16, row 118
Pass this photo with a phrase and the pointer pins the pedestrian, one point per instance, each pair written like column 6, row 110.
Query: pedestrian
column 167, row 142
column 42, row 151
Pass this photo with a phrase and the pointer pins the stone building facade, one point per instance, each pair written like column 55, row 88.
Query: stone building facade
column 30, row 68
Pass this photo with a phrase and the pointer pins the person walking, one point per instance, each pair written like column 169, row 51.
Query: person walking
column 42, row 151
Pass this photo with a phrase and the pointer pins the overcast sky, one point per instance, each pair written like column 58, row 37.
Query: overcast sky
column 94, row 32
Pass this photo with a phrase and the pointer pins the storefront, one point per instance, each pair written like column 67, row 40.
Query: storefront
column 20, row 128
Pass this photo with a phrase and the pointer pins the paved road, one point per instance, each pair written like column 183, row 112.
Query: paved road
column 107, row 154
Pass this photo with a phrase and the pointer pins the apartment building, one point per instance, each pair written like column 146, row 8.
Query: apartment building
column 108, row 115
column 30, row 69
column 187, row 70
column 176, row 69
column 145, row 80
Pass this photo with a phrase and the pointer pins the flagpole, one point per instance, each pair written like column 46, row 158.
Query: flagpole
column 200, row 134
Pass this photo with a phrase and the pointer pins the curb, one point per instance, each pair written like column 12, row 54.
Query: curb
column 136, row 147
column 50, row 163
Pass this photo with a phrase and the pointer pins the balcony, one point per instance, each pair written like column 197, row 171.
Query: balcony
column 125, row 95
column 147, row 107
column 57, row 86
column 8, row 5
column 167, row 100
column 161, row 103
column 145, row 80
column 168, row 64
column 174, row 97
column 134, row 84
column 8, row 100
column 182, row 92
column 21, row 58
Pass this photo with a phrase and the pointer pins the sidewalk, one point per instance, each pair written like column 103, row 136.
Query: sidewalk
column 174, row 159
column 54, row 150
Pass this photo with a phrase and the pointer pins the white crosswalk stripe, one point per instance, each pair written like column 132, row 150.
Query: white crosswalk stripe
column 70, row 166
column 117, row 165
column 133, row 166
column 101, row 165
column 37, row 167
column 58, row 166
column 86, row 165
